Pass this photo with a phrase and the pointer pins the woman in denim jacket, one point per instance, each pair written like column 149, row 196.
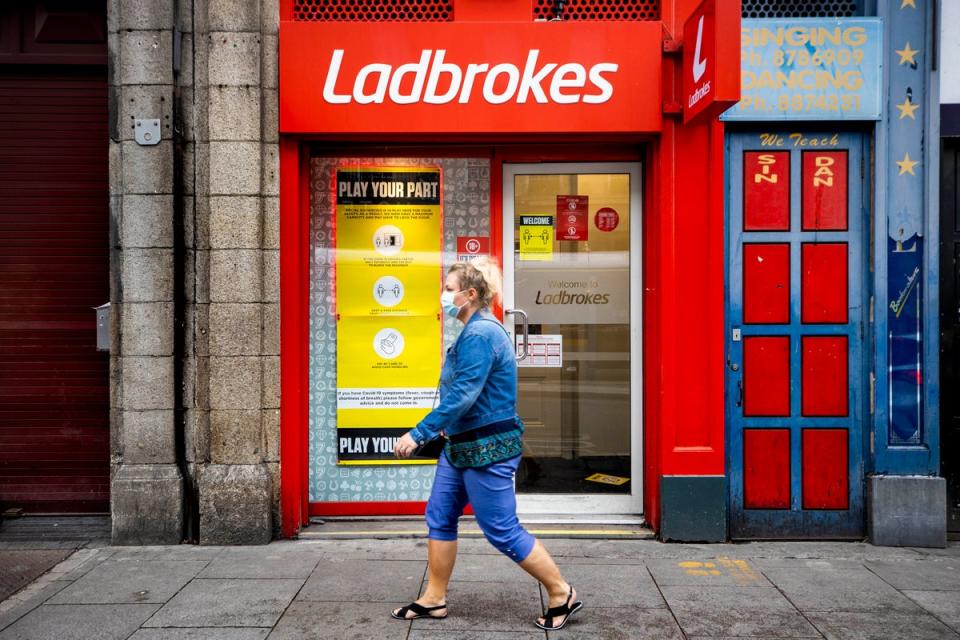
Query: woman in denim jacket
column 477, row 414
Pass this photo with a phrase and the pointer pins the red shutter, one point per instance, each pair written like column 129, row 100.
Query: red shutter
column 54, row 261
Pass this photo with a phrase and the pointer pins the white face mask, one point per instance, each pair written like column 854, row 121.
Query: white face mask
column 449, row 306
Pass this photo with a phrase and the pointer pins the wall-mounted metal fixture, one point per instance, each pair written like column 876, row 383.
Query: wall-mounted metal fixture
column 146, row 131
column 103, row 327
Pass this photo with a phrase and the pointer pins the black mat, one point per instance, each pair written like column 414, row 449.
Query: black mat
column 560, row 475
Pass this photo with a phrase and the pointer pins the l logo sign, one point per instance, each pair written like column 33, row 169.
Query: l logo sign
column 699, row 64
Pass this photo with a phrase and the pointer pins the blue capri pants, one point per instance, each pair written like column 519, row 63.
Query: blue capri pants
column 490, row 490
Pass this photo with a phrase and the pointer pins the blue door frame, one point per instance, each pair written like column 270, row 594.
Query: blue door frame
column 795, row 521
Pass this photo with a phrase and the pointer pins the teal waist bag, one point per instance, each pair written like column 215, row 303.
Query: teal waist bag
column 486, row 445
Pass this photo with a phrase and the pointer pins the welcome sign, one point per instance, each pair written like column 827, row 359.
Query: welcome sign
column 576, row 288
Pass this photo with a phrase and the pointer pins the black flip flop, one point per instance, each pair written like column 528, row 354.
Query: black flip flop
column 420, row 611
column 566, row 609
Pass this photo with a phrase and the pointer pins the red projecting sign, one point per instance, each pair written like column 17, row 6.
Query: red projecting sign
column 711, row 59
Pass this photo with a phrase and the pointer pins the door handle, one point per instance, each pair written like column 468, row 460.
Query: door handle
column 740, row 393
column 526, row 331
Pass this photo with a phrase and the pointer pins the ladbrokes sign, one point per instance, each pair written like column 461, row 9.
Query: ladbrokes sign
column 469, row 78
column 432, row 80
column 711, row 69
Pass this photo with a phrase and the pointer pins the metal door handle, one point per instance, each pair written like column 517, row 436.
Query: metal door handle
column 740, row 393
column 526, row 331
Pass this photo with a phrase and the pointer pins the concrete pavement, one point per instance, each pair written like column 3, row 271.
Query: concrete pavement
column 632, row 589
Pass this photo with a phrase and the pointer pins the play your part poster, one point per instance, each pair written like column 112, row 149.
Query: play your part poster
column 388, row 276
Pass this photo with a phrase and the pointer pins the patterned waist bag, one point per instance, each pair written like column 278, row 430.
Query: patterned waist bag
column 486, row 445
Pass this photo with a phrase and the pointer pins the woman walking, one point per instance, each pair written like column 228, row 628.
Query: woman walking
column 477, row 414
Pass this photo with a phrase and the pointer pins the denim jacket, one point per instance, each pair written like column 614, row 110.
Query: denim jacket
column 478, row 382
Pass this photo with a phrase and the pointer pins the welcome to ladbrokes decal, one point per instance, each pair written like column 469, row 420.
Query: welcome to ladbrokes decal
column 388, row 267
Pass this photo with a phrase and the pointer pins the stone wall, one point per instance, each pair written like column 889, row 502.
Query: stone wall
column 195, row 265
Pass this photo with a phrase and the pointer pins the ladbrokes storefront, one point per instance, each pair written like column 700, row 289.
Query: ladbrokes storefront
column 558, row 148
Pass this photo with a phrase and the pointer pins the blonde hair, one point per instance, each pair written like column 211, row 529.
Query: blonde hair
column 481, row 274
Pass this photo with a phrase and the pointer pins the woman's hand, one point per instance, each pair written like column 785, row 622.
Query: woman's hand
column 405, row 446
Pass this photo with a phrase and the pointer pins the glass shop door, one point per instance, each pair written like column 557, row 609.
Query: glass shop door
column 572, row 283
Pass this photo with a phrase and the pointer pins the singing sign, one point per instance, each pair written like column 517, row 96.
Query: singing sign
column 810, row 69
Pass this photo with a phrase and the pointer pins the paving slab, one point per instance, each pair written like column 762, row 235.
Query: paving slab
column 81, row 563
column 922, row 575
column 38, row 545
column 340, row 620
column 423, row 634
column 945, row 605
column 620, row 623
column 227, row 603
column 346, row 589
column 201, row 634
column 185, row 552
column 483, row 568
column 343, row 550
column 28, row 599
column 18, row 568
column 736, row 611
column 563, row 561
column 489, row 606
column 831, row 589
column 806, row 563
column 272, row 561
column 879, row 625
column 130, row 582
column 952, row 550
column 720, row 571
column 79, row 622
column 607, row 548
column 475, row 546
column 364, row 581
column 804, row 549
column 604, row 586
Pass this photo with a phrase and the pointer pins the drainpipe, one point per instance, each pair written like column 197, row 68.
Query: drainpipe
column 190, row 506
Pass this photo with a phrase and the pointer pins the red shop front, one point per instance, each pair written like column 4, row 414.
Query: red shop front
column 560, row 148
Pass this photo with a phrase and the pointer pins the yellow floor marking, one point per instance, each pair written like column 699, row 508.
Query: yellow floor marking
column 739, row 570
column 695, row 568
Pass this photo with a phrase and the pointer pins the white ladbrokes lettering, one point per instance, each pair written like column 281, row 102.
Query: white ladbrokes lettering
column 377, row 82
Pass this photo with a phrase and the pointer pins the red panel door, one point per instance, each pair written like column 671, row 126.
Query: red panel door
column 795, row 375
column 54, row 260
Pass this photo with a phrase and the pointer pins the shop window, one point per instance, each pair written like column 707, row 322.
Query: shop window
column 373, row 10
column 598, row 10
column 343, row 312
column 801, row 8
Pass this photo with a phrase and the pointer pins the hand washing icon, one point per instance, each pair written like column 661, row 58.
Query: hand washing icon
column 388, row 343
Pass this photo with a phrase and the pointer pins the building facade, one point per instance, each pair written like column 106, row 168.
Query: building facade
column 725, row 324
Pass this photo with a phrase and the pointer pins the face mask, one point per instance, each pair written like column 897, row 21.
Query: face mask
column 449, row 306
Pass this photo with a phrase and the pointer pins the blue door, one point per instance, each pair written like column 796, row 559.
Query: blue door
column 796, row 409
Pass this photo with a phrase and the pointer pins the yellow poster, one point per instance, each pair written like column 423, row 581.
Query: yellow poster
column 388, row 278
column 536, row 238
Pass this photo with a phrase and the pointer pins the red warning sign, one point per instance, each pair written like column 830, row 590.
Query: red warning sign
column 606, row 219
column 572, row 217
column 472, row 247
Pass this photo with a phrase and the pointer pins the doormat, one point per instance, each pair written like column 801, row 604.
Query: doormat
column 603, row 478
